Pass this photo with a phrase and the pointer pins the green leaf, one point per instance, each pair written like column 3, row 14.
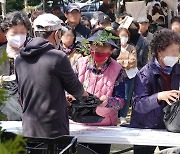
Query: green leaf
column 85, row 47
column 16, row 146
column 4, row 57
column 104, row 36
column 102, row 39
column 109, row 28
column 3, row 95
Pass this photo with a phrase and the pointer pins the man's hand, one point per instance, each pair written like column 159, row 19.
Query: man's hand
column 69, row 99
column 168, row 96
column 85, row 94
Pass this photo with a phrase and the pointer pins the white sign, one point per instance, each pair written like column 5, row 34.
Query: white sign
column 126, row 22
column 172, row 4
column 136, row 9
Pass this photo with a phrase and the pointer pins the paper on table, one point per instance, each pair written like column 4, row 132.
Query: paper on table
column 131, row 73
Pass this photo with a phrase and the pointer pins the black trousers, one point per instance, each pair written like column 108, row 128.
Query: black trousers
column 146, row 149
column 31, row 148
column 99, row 148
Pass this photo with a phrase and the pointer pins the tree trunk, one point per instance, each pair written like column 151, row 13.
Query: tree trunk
column 3, row 7
column 44, row 7
column 25, row 3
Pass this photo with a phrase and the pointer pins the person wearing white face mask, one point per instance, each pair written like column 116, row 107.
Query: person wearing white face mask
column 15, row 27
column 16, row 41
column 128, row 60
column 157, row 84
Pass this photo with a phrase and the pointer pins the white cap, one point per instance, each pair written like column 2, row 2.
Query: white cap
column 47, row 22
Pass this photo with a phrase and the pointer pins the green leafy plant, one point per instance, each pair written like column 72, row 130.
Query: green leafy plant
column 12, row 146
column 84, row 49
column 3, row 97
column 103, row 37
column 3, row 93
column 4, row 57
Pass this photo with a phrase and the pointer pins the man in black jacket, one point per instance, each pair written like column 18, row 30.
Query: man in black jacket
column 43, row 75
column 73, row 15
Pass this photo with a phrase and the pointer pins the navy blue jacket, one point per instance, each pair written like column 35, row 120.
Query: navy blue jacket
column 147, row 111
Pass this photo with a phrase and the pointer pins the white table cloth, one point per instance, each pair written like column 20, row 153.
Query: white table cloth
column 111, row 135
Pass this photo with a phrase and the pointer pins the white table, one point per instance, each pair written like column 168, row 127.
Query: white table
column 112, row 135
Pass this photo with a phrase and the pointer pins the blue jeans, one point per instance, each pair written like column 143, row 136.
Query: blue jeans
column 129, row 86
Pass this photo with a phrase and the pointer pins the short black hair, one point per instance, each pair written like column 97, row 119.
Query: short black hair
column 15, row 18
column 84, row 19
column 111, row 5
column 175, row 19
column 136, row 24
column 162, row 39
column 163, row 4
column 56, row 7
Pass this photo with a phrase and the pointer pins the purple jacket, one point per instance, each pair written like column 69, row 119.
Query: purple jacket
column 147, row 112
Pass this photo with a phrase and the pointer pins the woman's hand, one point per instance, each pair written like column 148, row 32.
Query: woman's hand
column 104, row 100
column 168, row 96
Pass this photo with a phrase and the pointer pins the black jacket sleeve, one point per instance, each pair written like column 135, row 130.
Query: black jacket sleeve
column 68, row 78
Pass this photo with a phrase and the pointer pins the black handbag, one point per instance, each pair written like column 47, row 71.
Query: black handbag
column 172, row 117
column 83, row 110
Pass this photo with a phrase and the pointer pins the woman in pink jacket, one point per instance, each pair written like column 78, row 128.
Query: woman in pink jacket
column 103, row 77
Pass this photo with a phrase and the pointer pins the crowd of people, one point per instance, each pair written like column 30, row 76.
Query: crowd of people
column 53, row 58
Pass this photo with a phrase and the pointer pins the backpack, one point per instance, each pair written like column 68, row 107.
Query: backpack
column 172, row 117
